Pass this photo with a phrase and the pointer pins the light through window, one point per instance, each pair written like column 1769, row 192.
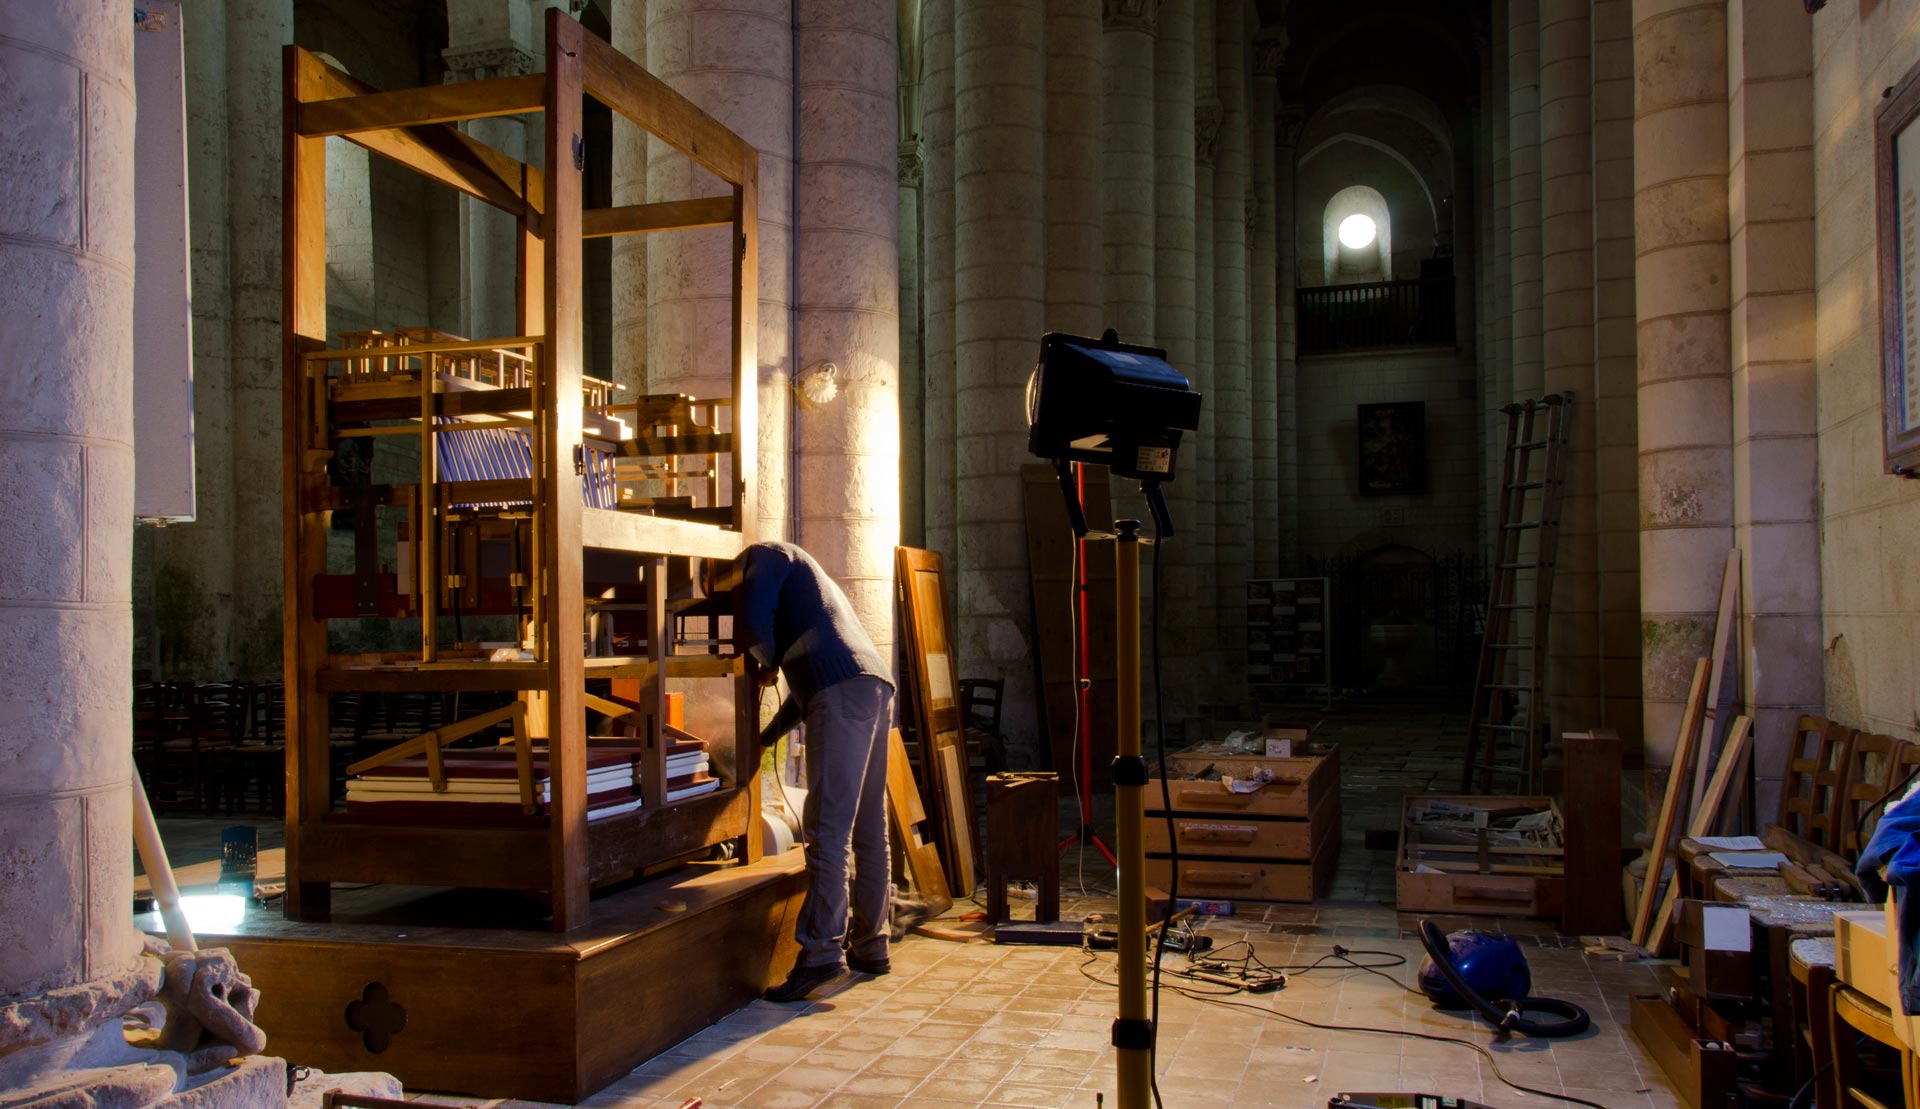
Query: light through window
column 1356, row 231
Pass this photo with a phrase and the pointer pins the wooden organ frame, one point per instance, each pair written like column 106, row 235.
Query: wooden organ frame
column 562, row 853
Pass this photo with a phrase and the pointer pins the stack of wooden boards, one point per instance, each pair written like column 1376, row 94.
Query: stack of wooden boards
column 483, row 784
column 1276, row 841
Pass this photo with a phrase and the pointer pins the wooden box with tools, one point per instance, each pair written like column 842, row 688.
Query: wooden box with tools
column 1501, row 856
column 1275, row 841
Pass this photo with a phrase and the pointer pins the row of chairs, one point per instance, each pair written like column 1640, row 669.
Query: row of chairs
column 220, row 747
column 1834, row 776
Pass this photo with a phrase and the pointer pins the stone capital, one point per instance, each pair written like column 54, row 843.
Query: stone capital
column 481, row 62
column 1288, row 121
column 1269, row 52
column 913, row 164
column 1206, row 130
column 1131, row 15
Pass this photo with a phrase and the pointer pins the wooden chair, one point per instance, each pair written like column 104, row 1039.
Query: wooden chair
column 1811, row 797
column 1872, row 762
column 1810, row 980
column 980, row 700
column 1853, row 1015
column 258, row 762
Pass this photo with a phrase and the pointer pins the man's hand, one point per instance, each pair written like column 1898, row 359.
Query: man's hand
column 761, row 677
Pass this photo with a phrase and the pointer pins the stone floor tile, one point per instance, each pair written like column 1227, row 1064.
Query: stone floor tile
column 1036, row 1097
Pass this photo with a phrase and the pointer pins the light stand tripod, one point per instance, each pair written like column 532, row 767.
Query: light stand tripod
column 1133, row 1029
column 1123, row 407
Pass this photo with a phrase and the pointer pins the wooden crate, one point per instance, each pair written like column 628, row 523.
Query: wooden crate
column 1477, row 879
column 1277, row 843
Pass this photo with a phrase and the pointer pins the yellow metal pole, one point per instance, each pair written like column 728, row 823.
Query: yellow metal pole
column 1132, row 1032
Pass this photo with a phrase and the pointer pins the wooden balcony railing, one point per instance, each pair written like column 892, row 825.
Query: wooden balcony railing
column 1334, row 318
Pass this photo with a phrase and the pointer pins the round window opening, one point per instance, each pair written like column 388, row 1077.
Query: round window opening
column 1356, row 231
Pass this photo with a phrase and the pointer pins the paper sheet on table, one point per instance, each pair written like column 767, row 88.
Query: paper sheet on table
column 1730, row 843
column 1749, row 860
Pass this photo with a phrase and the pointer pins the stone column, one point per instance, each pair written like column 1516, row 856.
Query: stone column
column 1776, row 488
column 1497, row 383
column 735, row 60
column 848, row 299
column 66, row 481
column 938, row 248
column 1616, row 419
column 1269, row 50
column 629, row 268
column 911, row 175
column 1075, row 218
column 1523, row 198
column 255, row 34
column 496, row 38
column 1566, row 188
column 1681, row 280
column 1127, row 192
column 1204, row 539
column 1286, row 231
column 1173, row 279
column 999, row 312
column 1233, row 412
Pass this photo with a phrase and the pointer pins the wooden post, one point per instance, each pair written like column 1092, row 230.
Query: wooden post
column 1592, row 814
column 303, row 477
column 566, row 609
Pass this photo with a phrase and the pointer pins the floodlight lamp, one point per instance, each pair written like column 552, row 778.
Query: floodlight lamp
column 1103, row 402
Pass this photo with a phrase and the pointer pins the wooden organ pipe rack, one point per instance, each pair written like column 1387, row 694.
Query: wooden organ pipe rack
column 522, row 503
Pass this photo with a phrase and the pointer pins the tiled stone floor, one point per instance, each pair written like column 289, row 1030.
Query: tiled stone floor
column 962, row 1025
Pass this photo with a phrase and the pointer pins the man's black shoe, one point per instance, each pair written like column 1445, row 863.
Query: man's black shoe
column 875, row 967
column 803, row 981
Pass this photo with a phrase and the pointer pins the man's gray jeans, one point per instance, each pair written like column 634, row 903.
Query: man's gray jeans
column 845, row 824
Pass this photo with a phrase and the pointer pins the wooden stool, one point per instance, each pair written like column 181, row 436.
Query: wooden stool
column 1023, row 819
column 1853, row 1013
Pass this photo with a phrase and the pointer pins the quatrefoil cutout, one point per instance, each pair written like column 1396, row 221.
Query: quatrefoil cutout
column 377, row 1017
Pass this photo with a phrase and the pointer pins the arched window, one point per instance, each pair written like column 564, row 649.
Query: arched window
column 1358, row 237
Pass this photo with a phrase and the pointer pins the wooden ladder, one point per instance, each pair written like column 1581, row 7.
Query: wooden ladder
column 1505, row 730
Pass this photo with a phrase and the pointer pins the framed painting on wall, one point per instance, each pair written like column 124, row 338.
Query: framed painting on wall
column 1393, row 447
column 1896, row 157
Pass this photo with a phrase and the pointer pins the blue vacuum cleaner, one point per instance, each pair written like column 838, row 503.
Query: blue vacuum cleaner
column 1464, row 969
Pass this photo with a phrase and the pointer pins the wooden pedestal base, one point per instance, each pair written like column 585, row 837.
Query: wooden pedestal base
column 400, row 986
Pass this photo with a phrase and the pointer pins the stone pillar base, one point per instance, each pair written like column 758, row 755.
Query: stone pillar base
column 154, row 1035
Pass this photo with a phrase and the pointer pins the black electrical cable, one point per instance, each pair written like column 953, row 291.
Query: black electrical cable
column 1216, row 997
column 1166, row 807
column 1801, row 1097
column 1867, row 813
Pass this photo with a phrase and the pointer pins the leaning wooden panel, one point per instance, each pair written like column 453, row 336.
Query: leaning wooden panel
column 935, row 708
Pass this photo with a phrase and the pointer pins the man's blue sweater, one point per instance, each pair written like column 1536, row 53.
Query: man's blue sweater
column 793, row 616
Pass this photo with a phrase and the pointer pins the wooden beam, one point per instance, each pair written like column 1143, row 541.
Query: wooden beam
column 1670, row 804
column 667, row 215
column 614, row 530
column 440, row 152
column 559, row 530
column 1726, row 646
column 613, row 79
column 303, row 324
column 380, row 111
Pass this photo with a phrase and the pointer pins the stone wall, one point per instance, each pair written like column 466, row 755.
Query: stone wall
column 1869, row 520
column 1333, row 511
